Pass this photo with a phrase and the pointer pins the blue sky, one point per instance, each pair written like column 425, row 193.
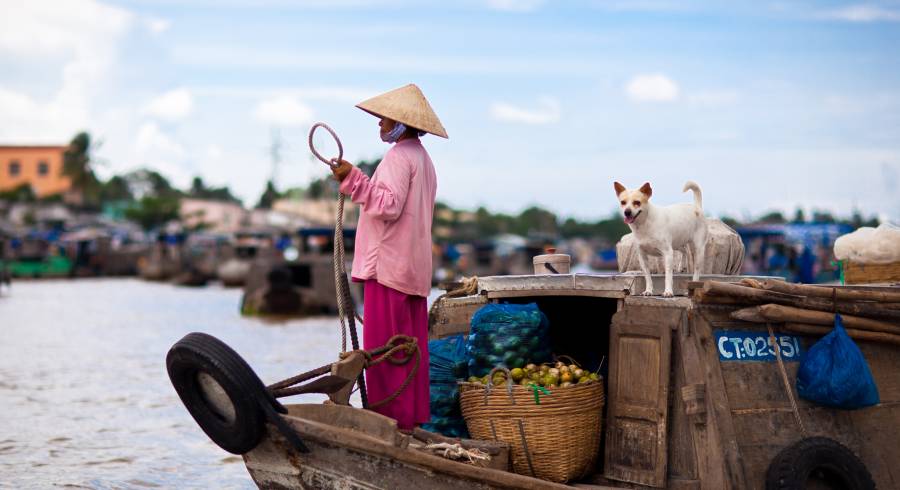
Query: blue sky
column 767, row 105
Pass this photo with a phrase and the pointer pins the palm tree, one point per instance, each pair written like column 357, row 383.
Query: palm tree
column 77, row 166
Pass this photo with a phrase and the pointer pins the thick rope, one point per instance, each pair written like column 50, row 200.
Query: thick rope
column 341, row 286
column 396, row 345
column 409, row 346
column 468, row 287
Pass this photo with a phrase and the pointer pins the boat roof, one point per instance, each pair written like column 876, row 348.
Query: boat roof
column 608, row 285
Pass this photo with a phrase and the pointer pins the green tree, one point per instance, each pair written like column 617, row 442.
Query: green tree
column 823, row 217
column 536, row 220
column 269, row 196
column 199, row 190
column 368, row 166
column 799, row 216
column 153, row 211
column 146, row 182
column 21, row 193
column 77, row 166
column 317, row 189
column 774, row 217
column 115, row 189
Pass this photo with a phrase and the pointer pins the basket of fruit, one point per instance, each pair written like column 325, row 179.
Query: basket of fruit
column 552, row 426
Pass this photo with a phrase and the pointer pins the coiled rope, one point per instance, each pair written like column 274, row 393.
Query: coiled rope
column 346, row 309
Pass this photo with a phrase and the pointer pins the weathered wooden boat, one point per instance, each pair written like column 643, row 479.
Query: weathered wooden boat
column 697, row 398
column 162, row 260
column 302, row 285
column 37, row 257
column 249, row 247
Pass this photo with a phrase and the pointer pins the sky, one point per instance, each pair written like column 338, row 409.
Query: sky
column 767, row 105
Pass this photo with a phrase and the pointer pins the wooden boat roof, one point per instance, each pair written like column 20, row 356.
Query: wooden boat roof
column 591, row 284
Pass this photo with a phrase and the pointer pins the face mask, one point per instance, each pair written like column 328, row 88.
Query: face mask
column 394, row 134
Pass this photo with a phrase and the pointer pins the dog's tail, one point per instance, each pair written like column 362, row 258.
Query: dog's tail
column 698, row 196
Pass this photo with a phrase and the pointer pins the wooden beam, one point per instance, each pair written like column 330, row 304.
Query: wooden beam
column 853, row 333
column 818, row 291
column 713, row 288
column 780, row 314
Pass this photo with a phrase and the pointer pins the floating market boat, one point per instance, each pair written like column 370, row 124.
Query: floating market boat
column 38, row 258
column 249, row 246
column 298, row 285
column 701, row 392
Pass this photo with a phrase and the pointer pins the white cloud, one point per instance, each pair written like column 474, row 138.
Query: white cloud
column 214, row 152
column 862, row 13
column 155, row 149
column 151, row 139
column 652, row 88
column 283, row 110
column 80, row 37
column 157, row 25
column 713, row 98
column 515, row 5
column 171, row 106
column 549, row 111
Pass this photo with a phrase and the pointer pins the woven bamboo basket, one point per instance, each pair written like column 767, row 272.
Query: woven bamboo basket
column 556, row 440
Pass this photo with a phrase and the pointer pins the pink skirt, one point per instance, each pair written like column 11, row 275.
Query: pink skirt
column 388, row 312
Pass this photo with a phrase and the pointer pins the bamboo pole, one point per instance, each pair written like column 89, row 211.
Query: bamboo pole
column 782, row 314
column 753, row 295
column 853, row 333
column 839, row 293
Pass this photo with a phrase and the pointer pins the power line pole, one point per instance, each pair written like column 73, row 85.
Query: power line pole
column 275, row 154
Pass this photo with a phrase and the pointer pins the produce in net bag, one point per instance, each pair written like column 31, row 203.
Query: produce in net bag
column 508, row 335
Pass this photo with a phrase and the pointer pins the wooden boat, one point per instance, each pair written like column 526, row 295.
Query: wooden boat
column 249, row 247
column 697, row 398
column 301, row 286
column 350, row 448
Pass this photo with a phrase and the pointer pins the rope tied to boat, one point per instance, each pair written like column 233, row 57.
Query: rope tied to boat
column 342, row 287
column 396, row 345
column 468, row 286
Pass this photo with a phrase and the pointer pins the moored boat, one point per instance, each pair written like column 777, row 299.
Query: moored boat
column 700, row 393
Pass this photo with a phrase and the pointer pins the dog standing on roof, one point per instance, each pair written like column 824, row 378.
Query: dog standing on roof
column 662, row 230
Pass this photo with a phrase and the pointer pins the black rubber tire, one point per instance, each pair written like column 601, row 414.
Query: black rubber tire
column 199, row 352
column 795, row 464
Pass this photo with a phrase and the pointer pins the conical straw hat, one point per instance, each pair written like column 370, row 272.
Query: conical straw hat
column 407, row 105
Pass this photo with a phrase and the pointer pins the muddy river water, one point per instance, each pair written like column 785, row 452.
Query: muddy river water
column 85, row 401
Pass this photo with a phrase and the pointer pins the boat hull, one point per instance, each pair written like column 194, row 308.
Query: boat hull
column 372, row 455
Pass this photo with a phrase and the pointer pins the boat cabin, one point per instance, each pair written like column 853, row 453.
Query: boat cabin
column 695, row 398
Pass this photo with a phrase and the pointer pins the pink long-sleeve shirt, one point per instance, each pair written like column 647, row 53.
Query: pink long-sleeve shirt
column 393, row 236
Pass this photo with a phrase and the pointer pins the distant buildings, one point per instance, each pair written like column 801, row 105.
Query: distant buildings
column 213, row 216
column 41, row 167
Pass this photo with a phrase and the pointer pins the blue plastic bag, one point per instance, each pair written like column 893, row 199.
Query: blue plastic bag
column 447, row 363
column 508, row 335
column 447, row 359
column 835, row 374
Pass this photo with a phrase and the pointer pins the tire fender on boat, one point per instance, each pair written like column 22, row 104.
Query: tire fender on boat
column 223, row 394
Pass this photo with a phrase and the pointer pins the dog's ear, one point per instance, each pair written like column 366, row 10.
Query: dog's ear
column 646, row 189
column 618, row 187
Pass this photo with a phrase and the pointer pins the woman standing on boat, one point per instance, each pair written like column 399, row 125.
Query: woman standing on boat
column 393, row 245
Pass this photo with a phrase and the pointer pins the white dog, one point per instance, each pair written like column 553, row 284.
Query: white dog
column 662, row 230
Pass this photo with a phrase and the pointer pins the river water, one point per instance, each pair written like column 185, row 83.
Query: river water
column 85, row 401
